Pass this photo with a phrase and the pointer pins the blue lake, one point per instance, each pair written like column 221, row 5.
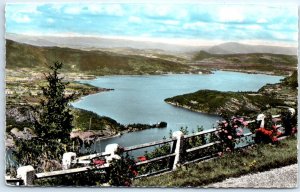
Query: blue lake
column 140, row 99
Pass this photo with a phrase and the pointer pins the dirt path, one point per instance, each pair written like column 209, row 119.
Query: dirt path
column 285, row 177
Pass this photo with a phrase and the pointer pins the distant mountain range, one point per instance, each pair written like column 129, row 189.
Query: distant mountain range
column 238, row 48
column 93, row 43
column 121, row 61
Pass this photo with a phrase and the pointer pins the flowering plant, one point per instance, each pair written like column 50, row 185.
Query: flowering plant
column 122, row 171
column 229, row 130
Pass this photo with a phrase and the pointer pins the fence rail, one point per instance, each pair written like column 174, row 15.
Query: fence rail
column 175, row 157
column 132, row 148
column 201, row 133
column 155, row 159
column 68, row 171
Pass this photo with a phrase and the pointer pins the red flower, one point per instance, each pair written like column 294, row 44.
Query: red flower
column 142, row 158
column 98, row 162
column 135, row 172
column 274, row 139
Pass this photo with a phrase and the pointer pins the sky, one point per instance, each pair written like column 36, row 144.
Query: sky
column 189, row 23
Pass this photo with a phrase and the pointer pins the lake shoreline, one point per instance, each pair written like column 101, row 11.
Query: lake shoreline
column 189, row 108
column 283, row 95
column 97, row 135
column 108, row 97
column 206, row 72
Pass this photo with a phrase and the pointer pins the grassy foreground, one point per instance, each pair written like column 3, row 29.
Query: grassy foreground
column 257, row 159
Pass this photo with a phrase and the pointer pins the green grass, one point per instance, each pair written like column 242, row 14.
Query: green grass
column 291, row 81
column 257, row 159
column 82, row 121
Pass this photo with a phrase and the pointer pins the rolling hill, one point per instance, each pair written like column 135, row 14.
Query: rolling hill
column 250, row 62
column 120, row 61
column 96, row 42
column 19, row 55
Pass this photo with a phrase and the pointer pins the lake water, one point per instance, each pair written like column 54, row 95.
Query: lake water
column 140, row 99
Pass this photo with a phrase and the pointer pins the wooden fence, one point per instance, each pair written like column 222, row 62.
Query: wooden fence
column 179, row 154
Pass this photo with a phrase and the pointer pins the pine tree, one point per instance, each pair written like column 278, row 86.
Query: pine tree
column 52, row 125
column 53, row 117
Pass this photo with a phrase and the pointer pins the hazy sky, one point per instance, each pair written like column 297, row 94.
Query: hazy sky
column 175, row 22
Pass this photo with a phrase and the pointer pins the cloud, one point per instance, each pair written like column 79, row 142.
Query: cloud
column 195, row 25
column 50, row 20
column 252, row 27
column 261, row 20
column 231, row 14
column 22, row 19
column 94, row 8
column 26, row 8
column 285, row 36
column 171, row 22
column 181, row 14
column 166, row 20
column 56, row 6
column 282, row 27
column 157, row 10
column 114, row 9
column 134, row 19
column 73, row 10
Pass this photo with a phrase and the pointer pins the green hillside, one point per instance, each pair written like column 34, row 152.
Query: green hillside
column 264, row 62
column 217, row 102
column 97, row 62
column 90, row 62
column 242, row 103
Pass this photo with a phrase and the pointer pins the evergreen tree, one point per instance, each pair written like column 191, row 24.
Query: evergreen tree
column 53, row 117
column 52, row 125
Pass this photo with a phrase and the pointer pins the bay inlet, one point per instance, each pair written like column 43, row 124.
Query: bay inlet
column 140, row 99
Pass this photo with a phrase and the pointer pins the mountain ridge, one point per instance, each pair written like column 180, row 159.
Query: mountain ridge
column 110, row 43
column 139, row 62
column 21, row 55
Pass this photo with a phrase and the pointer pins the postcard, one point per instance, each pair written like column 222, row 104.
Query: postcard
column 149, row 94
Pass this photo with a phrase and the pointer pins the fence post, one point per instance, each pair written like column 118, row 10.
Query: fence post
column 27, row 174
column 67, row 159
column 111, row 149
column 178, row 135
